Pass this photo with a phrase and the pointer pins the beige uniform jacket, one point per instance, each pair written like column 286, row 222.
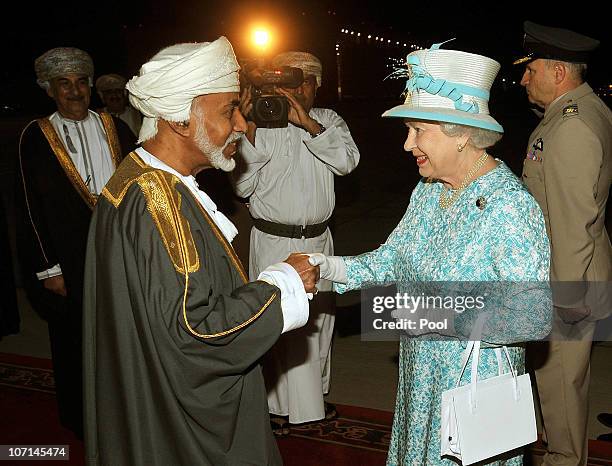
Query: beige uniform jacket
column 568, row 169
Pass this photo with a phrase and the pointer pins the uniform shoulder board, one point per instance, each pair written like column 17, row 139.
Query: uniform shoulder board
column 571, row 109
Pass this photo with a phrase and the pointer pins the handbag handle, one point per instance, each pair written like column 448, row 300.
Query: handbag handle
column 474, row 347
column 474, row 336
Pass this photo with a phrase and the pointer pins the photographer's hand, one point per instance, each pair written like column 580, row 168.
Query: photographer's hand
column 297, row 115
column 245, row 106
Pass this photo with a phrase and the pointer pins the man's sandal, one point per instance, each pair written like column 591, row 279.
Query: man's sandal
column 280, row 425
column 330, row 411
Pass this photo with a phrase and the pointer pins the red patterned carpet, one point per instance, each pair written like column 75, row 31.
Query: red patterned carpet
column 359, row 437
column 29, row 412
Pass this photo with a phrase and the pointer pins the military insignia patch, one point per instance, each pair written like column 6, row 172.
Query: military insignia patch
column 571, row 109
column 539, row 144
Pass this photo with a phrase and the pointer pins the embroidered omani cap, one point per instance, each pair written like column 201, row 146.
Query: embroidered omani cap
column 61, row 61
column 449, row 86
column 108, row 82
column 307, row 62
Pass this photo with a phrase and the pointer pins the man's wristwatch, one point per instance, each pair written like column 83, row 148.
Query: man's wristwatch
column 318, row 133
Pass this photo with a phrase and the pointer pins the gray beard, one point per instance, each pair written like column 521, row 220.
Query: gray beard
column 214, row 152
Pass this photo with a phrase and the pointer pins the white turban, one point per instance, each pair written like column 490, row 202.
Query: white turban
column 169, row 82
column 307, row 62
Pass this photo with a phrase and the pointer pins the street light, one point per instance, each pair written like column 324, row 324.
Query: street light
column 261, row 38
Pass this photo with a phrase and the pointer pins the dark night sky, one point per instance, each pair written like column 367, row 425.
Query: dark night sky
column 121, row 35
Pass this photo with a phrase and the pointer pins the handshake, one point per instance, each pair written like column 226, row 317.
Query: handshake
column 315, row 266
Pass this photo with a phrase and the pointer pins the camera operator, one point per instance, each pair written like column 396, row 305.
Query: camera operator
column 288, row 174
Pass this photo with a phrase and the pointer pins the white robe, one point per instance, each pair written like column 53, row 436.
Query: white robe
column 289, row 179
column 87, row 144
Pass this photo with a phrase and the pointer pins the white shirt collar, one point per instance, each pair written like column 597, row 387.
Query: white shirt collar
column 70, row 120
column 87, row 145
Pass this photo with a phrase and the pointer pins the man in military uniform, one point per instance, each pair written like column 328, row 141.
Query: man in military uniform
column 568, row 169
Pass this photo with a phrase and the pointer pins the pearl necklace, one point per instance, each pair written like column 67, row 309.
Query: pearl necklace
column 446, row 201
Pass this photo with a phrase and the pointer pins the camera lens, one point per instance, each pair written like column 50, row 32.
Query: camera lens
column 270, row 111
column 271, row 108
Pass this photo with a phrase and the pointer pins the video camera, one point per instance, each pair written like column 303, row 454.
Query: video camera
column 269, row 109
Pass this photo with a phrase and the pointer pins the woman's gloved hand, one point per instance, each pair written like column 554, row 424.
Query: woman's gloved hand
column 330, row 267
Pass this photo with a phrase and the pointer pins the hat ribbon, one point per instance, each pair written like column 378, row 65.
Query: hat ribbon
column 420, row 79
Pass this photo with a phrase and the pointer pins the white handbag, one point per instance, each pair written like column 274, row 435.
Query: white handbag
column 487, row 417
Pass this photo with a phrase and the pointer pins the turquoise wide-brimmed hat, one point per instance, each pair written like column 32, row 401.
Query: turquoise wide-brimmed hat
column 449, row 86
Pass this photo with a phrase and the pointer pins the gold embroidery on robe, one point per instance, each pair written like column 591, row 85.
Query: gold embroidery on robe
column 113, row 139
column 163, row 202
column 25, row 191
column 122, row 179
column 231, row 330
column 66, row 162
column 239, row 268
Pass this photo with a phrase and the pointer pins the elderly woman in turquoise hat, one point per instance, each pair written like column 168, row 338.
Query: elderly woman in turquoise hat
column 470, row 220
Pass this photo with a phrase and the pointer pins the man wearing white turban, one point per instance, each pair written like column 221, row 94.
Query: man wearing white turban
column 174, row 331
column 65, row 161
column 288, row 175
